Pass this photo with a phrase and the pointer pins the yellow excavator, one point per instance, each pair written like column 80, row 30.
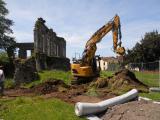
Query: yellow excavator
column 86, row 69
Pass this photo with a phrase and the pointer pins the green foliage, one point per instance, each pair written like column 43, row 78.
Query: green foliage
column 5, row 24
column 8, row 65
column 152, row 95
column 30, row 85
column 149, row 79
column 9, row 83
column 105, row 74
column 92, row 91
column 147, row 50
column 4, row 58
column 3, row 10
column 45, row 75
column 57, row 74
column 36, row 108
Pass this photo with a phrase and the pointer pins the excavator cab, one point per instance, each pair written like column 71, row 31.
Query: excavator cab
column 83, row 74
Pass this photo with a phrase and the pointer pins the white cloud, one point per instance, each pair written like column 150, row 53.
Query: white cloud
column 77, row 21
column 23, row 36
column 134, row 31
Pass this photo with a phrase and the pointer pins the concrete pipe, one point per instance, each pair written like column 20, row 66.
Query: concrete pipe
column 92, row 108
column 154, row 89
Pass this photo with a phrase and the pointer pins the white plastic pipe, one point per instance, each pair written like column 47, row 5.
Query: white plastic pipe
column 154, row 89
column 91, row 108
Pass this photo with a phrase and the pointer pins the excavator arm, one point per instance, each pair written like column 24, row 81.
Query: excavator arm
column 85, row 69
column 90, row 48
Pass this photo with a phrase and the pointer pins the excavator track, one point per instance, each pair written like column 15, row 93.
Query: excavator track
column 81, row 80
column 77, row 80
column 74, row 81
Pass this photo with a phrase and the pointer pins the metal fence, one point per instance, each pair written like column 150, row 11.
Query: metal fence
column 148, row 72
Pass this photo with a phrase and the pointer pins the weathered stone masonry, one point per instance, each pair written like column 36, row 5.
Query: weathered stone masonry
column 48, row 46
column 48, row 52
column 47, row 42
column 23, row 47
column 25, row 71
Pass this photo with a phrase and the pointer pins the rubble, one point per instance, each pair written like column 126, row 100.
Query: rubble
column 135, row 110
column 25, row 71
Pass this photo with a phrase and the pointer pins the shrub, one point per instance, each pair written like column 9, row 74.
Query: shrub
column 9, row 83
column 7, row 64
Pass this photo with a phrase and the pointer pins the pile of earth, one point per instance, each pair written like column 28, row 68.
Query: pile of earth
column 50, row 85
column 136, row 110
column 121, row 81
column 54, row 88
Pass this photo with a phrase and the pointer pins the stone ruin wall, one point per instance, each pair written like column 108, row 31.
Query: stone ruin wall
column 49, row 53
column 48, row 45
column 47, row 42
column 25, row 71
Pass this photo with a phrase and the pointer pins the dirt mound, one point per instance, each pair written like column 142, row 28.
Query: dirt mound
column 51, row 85
column 121, row 81
column 136, row 110
column 127, row 76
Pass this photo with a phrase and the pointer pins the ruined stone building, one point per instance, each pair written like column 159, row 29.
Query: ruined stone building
column 48, row 52
column 47, row 42
column 49, row 49
column 23, row 47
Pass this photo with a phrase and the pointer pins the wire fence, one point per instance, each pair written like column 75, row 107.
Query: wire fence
column 148, row 73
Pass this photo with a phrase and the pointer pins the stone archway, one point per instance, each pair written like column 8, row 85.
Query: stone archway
column 23, row 47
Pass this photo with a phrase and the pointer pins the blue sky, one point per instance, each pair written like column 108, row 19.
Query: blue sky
column 77, row 20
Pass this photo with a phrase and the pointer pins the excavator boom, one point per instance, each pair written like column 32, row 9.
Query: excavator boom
column 90, row 48
column 87, row 66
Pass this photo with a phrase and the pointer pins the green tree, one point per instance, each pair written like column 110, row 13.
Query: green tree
column 6, row 42
column 147, row 50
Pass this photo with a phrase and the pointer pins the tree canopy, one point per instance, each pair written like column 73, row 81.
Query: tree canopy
column 147, row 50
column 5, row 40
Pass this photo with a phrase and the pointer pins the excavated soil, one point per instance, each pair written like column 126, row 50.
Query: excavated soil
column 121, row 81
column 136, row 110
column 51, row 85
column 54, row 88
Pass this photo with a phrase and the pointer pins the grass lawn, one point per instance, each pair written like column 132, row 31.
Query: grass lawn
column 104, row 74
column 9, row 83
column 65, row 76
column 152, row 95
column 55, row 74
column 36, row 108
column 150, row 79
